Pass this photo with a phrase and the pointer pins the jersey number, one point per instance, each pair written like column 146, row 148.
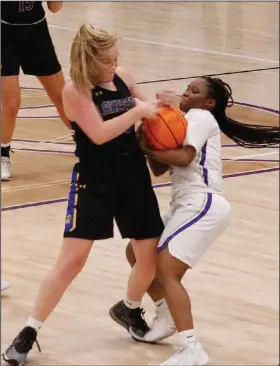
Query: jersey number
column 25, row 6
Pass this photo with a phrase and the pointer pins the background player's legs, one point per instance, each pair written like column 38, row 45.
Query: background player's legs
column 53, row 85
column 10, row 108
column 154, row 290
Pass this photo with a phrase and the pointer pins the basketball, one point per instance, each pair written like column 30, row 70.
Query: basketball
column 168, row 129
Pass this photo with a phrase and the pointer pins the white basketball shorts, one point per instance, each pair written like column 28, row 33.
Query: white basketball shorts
column 192, row 224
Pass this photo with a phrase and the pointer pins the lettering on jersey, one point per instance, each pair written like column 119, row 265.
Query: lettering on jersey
column 117, row 106
column 25, row 6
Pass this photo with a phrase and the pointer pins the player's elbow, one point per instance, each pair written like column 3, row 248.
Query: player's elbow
column 99, row 138
column 184, row 162
column 55, row 6
column 188, row 156
column 181, row 163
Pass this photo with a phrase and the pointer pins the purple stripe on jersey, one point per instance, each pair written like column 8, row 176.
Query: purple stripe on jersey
column 202, row 162
column 188, row 224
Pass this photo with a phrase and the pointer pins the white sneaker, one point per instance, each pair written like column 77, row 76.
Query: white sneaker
column 163, row 326
column 192, row 356
column 5, row 168
column 4, row 285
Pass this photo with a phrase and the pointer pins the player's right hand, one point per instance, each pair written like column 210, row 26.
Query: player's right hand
column 167, row 96
column 147, row 109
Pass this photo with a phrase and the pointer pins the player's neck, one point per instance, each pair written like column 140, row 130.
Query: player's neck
column 110, row 86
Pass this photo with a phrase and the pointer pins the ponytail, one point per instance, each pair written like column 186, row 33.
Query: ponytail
column 250, row 136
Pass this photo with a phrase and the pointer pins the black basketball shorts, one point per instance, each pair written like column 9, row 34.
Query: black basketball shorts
column 29, row 47
column 92, row 209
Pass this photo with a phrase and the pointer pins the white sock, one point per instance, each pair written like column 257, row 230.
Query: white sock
column 33, row 323
column 5, row 145
column 131, row 304
column 187, row 338
column 161, row 304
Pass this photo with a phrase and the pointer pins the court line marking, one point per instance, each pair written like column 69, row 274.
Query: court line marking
column 266, row 109
column 253, row 160
column 211, row 75
column 37, row 106
column 35, row 185
column 159, row 185
column 29, row 150
column 201, row 50
column 66, row 181
column 230, row 157
column 73, row 143
column 45, row 142
column 235, row 158
column 241, row 104
column 60, row 138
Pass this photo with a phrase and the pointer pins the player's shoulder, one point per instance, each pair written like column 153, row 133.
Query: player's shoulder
column 121, row 71
column 196, row 115
column 71, row 93
column 125, row 75
column 69, row 90
column 201, row 114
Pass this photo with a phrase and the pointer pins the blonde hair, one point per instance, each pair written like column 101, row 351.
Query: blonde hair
column 85, row 55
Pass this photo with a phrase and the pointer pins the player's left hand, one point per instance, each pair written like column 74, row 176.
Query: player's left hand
column 142, row 140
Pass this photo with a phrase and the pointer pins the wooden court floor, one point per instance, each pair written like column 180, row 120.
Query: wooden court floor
column 235, row 288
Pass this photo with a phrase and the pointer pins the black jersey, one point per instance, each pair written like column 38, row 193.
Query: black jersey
column 22, row 12
column 122, row 155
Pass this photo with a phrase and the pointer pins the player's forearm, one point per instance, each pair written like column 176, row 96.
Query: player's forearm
column 116, row 126
column 178, row 157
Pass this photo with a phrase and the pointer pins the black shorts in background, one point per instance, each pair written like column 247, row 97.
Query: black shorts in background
column 29, row 47
column 92, row 209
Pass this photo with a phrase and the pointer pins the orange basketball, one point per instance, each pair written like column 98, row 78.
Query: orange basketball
column 168, row 129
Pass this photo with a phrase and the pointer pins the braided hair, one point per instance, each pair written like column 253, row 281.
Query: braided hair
column 250, row 136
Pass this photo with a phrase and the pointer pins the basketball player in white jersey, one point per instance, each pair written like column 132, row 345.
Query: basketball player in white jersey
column 198, row 213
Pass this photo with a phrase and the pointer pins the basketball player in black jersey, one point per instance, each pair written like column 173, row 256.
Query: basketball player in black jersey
column 26, row 44
column 110, row 181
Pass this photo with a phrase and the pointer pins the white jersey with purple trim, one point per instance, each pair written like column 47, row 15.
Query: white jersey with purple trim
column 204, row 174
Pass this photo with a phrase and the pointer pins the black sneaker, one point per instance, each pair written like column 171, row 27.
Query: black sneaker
column 130, row 318
column 16, row 353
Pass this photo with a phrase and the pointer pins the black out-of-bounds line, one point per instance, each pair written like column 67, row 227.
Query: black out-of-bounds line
column 211, row 75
